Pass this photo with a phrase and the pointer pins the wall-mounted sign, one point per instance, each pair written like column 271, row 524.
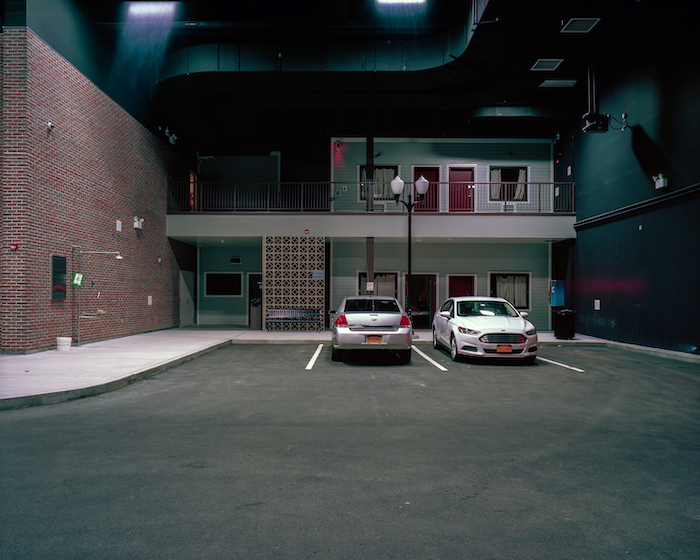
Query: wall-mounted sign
column 78, row 279
column 315, row 275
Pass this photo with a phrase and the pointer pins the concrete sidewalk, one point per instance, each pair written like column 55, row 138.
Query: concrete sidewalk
column 90, row 369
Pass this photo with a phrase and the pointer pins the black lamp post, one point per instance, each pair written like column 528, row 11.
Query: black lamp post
column 421, row 188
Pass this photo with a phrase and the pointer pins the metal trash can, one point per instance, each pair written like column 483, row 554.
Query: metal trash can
column 564, row 323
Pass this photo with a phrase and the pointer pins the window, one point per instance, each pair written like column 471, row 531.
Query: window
column 227, row 284
column 508, row 184
column 513, row 287
column 58, row 278
column 383, row 176
column 385, row 284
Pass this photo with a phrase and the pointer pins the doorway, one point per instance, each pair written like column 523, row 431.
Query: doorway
column 186, row 298
column 460, row 285
column 461, row 189
column 255, row 302
column 422, row 299
column 431, row 202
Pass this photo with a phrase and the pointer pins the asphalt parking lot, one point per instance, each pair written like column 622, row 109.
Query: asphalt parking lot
column 275, row 451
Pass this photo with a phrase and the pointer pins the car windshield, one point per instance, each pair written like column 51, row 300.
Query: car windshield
column 485, row 308
column 376, row 305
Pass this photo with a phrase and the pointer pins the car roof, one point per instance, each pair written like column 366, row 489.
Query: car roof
column 370, row 297
column 478, row 298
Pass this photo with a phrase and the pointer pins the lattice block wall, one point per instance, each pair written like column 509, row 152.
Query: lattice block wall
column 293, row 275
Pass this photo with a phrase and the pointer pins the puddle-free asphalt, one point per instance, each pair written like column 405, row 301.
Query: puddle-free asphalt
column 246, row 453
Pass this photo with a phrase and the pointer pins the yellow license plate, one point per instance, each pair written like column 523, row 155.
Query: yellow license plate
column 373, row 339
column 504, row 349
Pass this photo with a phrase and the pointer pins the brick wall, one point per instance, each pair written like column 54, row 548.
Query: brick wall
column 68, row 187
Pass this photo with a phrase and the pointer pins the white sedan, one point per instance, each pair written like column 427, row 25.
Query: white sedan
column 484, row 327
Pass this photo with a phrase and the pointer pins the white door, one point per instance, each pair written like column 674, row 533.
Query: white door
column 186, row 298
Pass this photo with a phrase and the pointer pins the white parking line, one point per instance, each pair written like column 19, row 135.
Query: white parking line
column 561, row 365
column 311, row 363
column 429, row 359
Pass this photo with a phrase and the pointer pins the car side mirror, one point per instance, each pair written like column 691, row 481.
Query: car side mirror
column 446, row 314
column 331, row 312
column 524, row 314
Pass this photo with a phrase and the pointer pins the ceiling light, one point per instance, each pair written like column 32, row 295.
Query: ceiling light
column 547, row 64
column 152, row 8
column 401, row 1
column 579, row 25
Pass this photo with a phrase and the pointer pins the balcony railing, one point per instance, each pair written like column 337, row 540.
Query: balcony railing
column 526, row 198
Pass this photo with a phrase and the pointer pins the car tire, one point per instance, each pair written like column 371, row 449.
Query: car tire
column 529, row 361
column 405, row 356
column 454, row 354
column 436, row 342
column 336, row 355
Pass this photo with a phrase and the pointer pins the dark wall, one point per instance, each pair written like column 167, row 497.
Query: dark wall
column 637, row 247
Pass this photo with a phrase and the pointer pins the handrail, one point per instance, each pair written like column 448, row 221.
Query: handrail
column 442, row 197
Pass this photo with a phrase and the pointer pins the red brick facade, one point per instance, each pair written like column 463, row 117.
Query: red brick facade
column 68, row 186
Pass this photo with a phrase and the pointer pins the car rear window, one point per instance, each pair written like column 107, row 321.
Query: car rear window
column 376, row 305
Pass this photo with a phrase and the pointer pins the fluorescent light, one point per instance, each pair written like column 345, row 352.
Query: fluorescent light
column 558, row 83
column 152, row 8
column 401, row 1
column 547, row 64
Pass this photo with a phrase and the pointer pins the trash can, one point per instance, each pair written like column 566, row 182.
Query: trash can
column 564, row 323
column 63, row 343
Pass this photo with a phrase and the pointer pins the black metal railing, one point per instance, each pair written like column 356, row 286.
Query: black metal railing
column 529, row 198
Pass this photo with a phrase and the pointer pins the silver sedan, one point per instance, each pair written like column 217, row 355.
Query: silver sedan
column 371, row 322
column 484, row 327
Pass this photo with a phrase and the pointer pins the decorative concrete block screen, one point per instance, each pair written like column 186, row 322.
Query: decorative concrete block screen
column 294, row 276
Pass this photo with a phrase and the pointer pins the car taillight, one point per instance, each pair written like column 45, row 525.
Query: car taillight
column 405, row 321
column 341, row 321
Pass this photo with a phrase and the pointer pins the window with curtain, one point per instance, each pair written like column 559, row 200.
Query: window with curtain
column 513, row 287
column 508, row 184
column 383, row 176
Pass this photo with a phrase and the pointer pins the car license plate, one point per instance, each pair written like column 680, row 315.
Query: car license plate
column 504, row 349
column 373, row 339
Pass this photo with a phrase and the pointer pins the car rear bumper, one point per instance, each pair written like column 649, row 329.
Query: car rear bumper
column 345, row 339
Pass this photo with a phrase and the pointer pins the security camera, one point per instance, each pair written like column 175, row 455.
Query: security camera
column 50, row 126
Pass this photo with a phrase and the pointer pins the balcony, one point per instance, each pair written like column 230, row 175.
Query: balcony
column 359, row 198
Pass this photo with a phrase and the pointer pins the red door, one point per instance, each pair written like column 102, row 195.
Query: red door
column 460, row 286
column 461, row 189
column 430, row 202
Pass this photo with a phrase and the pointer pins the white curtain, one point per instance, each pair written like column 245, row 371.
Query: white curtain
column 521, row 188
column 512, row 287
column 382, row 181
column 495, row 184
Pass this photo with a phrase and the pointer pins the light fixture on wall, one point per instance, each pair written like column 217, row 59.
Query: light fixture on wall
column 660, row 181
column 138, row 222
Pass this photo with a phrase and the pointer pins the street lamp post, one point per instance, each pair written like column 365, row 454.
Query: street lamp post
column 80, row 272
column 421, row 188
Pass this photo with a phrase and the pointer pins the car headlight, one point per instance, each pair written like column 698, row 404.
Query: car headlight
column 470, row 332
column 531, row 332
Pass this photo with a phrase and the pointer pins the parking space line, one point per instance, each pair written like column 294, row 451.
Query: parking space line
column 429, row 359
column 311, row 363
column 561, row 365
